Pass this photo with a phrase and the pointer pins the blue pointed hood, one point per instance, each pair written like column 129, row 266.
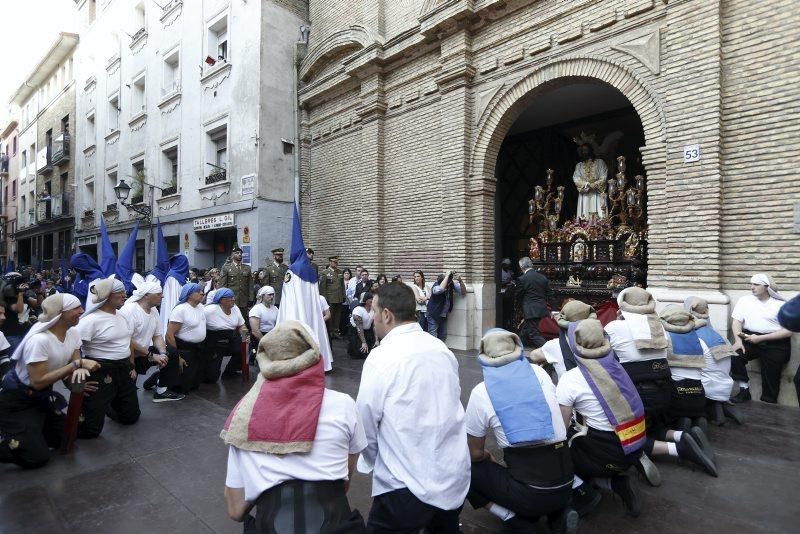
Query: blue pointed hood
column 162, row 257
column 299, row 260
column 108, row 260
column 178, row 268
column 125, row 261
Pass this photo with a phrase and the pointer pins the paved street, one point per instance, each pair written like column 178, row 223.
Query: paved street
column 166, row 474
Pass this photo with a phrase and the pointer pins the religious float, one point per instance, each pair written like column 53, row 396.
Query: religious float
column 594, row 255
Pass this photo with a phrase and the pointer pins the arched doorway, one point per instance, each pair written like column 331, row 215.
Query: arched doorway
column 587, row 248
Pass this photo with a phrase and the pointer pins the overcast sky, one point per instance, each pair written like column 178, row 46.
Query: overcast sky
column 27, row 30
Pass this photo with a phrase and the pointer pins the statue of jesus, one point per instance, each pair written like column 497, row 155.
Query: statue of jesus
column 590, row 179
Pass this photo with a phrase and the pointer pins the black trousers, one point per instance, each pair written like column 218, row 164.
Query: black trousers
column 171, row 375
column 400, row 512
column 530, row 335
column 600, row 454
column 218, row 344
column 115, row 397
column 773, row 356
column 688, row 399
column 28, row 427
column 491, row 482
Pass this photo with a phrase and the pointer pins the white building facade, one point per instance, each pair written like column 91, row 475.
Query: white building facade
column 194, row 107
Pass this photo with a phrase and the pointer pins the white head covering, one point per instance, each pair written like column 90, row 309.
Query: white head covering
column 145, row 288
column 266, row 290
column 52, row 307
column 765, row 280
column 99, row 293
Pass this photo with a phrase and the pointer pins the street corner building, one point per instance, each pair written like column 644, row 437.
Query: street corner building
column 442, row 134
column 192, row 106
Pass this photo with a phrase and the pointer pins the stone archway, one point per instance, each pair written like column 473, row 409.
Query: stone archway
column 505, row 107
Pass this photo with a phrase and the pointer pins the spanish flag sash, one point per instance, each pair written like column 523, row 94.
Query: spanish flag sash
column 616, row 393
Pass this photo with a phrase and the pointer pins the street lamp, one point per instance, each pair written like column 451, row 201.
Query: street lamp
column 122, row 190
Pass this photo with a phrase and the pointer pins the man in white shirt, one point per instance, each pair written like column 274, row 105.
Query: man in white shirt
column 106, row 339
column 759, row 336
column 517, row 402
column 409, row 402
column 272, row 463
column 147, row 339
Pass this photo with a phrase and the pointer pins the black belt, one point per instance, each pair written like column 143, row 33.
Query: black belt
column 113, row 364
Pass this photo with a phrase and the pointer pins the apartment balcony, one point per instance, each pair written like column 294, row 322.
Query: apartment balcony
column 61, row 147
column 54, row 208
column 44, row 160
column 216, row 177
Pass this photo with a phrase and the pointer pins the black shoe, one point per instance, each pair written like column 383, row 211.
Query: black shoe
column 689, row 449
column 648, row 470
column 566, row 522
column 167, row 396
column 151, row 381
column 700, row 437
column 623, row 487
column 585, row 499
column 733, row 412
column 742, row 396
column 683, row 424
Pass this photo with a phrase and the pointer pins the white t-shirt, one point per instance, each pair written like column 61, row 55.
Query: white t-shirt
column 553, row 355
column 323, row 304
column 573, row 390
column 624, row 346
column 144, row 326
column 339, row 434
column 193, row 322
column 217, row 319
column 758, row 316
column 366, row 317
column 45, row 347
column 105, row 336
column 267, row 317
column 716, row 376
column 480, row 415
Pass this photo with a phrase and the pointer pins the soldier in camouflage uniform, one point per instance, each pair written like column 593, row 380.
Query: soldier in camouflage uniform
column 331, row 286
column 237, row 276
column 276, row 271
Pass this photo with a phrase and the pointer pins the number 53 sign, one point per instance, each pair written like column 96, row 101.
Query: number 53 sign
column 691, row 153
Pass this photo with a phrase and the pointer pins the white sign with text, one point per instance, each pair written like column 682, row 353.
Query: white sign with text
column 213, row 222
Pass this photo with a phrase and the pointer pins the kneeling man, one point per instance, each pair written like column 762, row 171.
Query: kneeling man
column 517, row 402
column 293, row 465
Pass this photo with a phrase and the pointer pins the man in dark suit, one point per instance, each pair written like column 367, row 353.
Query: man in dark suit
column 362, row 286
column 534, row 291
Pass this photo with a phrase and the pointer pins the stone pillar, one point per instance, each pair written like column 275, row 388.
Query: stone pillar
column 463, row 207
column 370, row 183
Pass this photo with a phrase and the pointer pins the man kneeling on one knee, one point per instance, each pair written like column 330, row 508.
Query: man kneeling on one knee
column 517, row 402
column 292, row 467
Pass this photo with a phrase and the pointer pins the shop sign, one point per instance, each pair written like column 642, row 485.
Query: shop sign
column 213, row 222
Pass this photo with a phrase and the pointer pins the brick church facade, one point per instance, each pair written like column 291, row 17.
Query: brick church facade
column 406, row 104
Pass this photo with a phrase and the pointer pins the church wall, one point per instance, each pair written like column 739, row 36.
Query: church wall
column 413, row 207
column 400, row 15
column 688, row 67
column 329, row 16
column 760, row 106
